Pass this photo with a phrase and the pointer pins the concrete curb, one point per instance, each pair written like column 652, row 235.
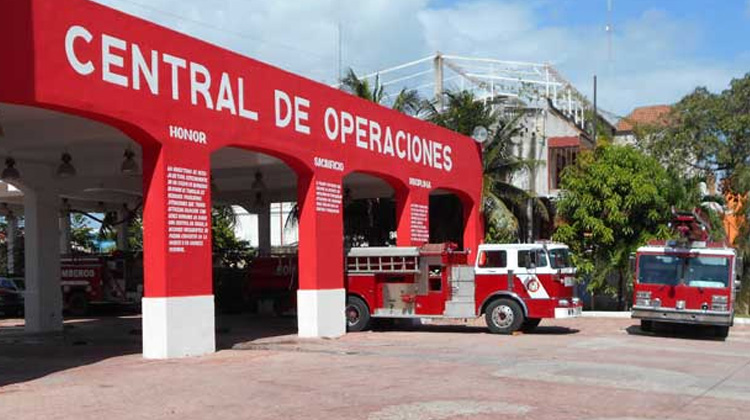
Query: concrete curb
column 626, row 314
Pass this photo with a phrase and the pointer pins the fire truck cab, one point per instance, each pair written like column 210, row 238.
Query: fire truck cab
column 513, row 285
column 688, row 281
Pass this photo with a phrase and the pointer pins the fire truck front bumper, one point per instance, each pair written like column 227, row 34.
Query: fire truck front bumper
column 683, row 316
column 568, row 311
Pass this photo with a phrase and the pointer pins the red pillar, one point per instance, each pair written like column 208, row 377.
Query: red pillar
column 473, row 227
column 178, row 306
column 413, row 218
column 321, row 295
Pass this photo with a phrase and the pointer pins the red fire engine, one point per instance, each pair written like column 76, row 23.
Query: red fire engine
column 688, row 280
column 513, row 285
column 96, row 279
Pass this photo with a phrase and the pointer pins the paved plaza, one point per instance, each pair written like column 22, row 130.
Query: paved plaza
column 587, row 368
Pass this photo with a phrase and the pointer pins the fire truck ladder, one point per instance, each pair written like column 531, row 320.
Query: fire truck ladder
column 690, row 225
column 383, row 260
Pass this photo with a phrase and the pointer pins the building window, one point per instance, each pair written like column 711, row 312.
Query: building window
column 559, row 159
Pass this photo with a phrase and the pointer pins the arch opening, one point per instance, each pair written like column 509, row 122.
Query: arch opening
column 255, row 224
column 370, row 210
column 447, row 217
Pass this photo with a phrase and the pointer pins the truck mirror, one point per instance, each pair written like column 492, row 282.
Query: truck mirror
column 631, row 260
column 737, row 285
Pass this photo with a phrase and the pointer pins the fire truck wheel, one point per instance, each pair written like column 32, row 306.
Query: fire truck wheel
column 647, row 325
column 504, row 316
column 721, row 332
column 530, row 324
column 78, row 305
column 357, row 314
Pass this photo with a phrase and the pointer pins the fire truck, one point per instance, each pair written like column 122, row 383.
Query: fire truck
column 272, row 283
column 690, row 280
column 100, row 279
column 514, row 286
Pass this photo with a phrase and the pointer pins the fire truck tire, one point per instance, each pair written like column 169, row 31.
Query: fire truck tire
column 647, row 325
column 357, row 314
column 721, row 332
column 78, row 304
column 530, row 324
column 504, row 316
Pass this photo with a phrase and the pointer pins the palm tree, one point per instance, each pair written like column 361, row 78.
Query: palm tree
column 503, row 204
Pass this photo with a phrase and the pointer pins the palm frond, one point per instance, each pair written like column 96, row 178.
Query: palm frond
column 408, row 102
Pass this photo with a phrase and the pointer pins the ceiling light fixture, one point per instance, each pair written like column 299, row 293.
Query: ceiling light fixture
column 10, row 173
column 129, row 165
column 66, row 169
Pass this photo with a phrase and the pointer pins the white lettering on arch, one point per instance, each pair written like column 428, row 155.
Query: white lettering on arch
column 75, row 32
column 110, row 59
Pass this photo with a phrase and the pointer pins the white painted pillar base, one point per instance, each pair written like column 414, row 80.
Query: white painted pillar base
column 178, row 326
column 320, row 313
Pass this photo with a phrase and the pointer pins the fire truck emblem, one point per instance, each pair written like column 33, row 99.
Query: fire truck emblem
column 533, row 285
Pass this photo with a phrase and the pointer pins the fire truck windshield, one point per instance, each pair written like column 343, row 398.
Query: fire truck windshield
column 692, row 271
column 560, row 258
column 707, row 272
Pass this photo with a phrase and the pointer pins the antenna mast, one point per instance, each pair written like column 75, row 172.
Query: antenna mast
column 609, row 29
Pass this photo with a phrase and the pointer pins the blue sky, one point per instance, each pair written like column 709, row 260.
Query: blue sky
column 721, row 24
column 661, row 50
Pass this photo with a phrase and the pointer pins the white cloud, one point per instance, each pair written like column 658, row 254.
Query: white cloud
column 655, row 56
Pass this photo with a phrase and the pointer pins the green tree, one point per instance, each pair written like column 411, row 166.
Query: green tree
column 614, row 199
column 503, row 204
column 229, row 250
column 82, row 233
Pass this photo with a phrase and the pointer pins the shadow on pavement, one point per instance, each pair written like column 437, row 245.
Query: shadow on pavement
column 467, row 329
column 553, row 330
column 679, row 331
column 85, row 341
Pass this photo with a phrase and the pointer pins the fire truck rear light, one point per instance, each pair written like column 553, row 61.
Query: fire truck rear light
column 576, row 301
column 656, row 302
column 563, row 302
column 680, row 304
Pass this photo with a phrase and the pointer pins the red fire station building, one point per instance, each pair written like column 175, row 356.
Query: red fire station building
column 73, row 71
